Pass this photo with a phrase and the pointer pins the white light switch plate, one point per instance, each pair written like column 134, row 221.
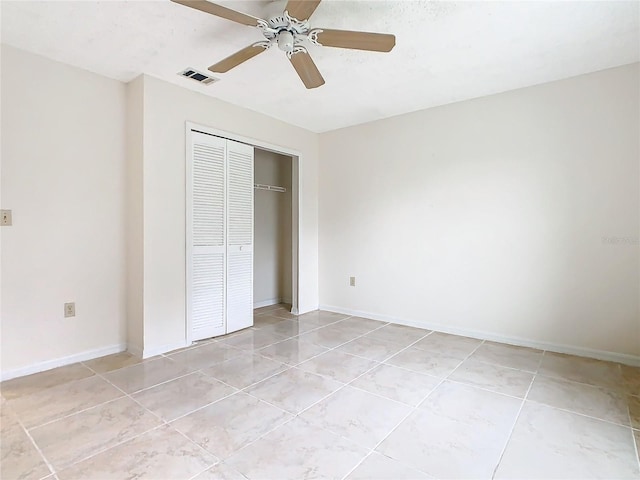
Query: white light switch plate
column 5, row 218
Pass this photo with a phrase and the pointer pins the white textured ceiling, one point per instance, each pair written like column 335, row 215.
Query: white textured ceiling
column 445, row 52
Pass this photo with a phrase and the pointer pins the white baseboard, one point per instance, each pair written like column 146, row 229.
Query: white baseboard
column 134, row 350
column 271, row 301
column 159, row 350
column 62, row 361
column 494, row 337
column 267, row 303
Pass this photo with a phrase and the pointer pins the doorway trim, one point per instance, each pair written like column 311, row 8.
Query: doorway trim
column 296, row 157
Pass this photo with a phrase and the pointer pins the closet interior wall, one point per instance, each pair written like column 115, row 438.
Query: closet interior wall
column 272, row 230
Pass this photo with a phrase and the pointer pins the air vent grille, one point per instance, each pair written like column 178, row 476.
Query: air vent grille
column 198, row 76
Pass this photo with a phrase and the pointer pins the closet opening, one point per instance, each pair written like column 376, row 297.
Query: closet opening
column 273, row 225
column 242, row 230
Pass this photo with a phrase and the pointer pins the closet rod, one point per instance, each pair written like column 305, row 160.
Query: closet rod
column 273, row 188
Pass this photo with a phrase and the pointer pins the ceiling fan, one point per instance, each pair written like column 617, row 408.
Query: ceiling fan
column 290, row 30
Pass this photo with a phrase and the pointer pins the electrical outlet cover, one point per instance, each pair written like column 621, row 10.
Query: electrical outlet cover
column 69, row 309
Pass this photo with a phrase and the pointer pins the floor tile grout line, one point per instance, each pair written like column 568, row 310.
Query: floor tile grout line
column 381, row 363
column 169, row 355
column 360, row 389
column 634, row 438
column 506, row 367
column 251, row 352
column 197, row 445
column 298, row 365
column 98, row 375
column 546, row 375
column 164, row 423
column 464, row 360
column 605, row 387
column 342, row 386
column 335, row 347
column 328, row 349
column 240, row 390
column 68, row 415
column 235, row 452
column 412, row 409
column 565, row 379
column 154, row 385
column 55, row 471
column 202, row 471
column 287, row 367
column 283, row 339
column 177, row 378
column 317, row 326
column 237, row 390
column 270, row 404
column 126, row 395
column 515, row 422
column 484, row 389
column 309, row 407
column 123, row 393
column 193, row 346
column 36, row 446
column 106, row 449
column 219, row 462
column 293, row 336
column 296, row 416
column 579, row 414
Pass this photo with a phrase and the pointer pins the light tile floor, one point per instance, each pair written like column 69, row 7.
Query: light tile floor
column 324, row 395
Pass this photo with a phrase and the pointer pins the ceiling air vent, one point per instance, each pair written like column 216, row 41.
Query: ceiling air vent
column 198, row 76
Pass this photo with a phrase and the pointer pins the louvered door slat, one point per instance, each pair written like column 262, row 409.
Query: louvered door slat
column 239, row 236
column 240, row 196
column 208, row 191
column 206, row 236
column 219, row 236
column 208, row 293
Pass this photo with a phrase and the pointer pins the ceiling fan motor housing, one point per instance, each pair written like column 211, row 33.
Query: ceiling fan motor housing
column 285, row 41
column 286, row 31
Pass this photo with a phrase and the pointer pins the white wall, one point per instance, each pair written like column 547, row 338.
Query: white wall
column 166, row 109
column 483, row 216
column 63, row 175
column 488, row 215
column 134, row 198
column 272, row 230
column 285, row 251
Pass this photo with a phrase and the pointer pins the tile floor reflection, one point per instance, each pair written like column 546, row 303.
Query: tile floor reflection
column 325, row 395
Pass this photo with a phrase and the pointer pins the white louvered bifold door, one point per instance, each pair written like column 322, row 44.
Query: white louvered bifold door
column 206, row 173
column 239, row 236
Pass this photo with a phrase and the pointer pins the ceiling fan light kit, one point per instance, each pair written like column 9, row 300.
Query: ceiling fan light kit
column 292, row 35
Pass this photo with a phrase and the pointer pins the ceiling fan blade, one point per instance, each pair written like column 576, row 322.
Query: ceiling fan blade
column 237, row 58
column 307, row 70
column 219, row 11
column 302, row 9
column 376, row 42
